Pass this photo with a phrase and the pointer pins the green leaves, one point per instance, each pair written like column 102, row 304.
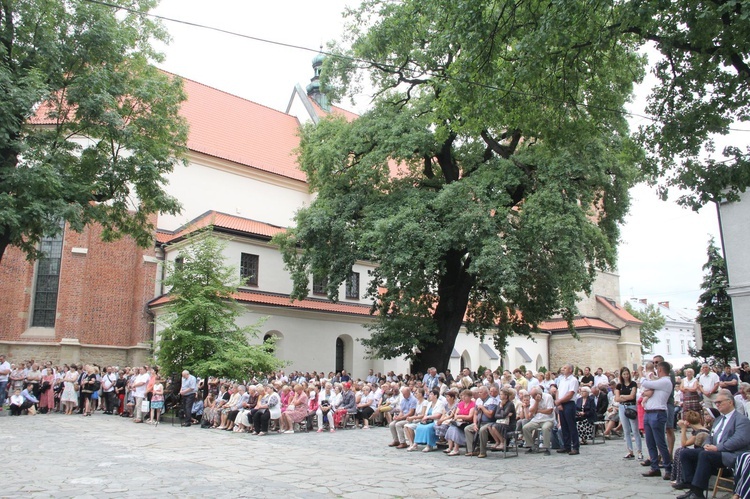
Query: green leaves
column 201, row 332
column 488, row 179
column 715, row 312
column 652, row 320
column 111, row 125
column 703, row 91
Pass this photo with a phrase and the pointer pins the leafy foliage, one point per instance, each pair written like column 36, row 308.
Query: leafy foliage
column 109, row 128
column 652, row 320
column 703, row 90
column 488, row 177
column 201, row 333
column 715, row 315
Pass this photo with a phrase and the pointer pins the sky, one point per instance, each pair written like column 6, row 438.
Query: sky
column 663, row 246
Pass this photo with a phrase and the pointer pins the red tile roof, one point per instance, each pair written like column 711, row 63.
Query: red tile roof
column 230, row 127
column 225, row 126
column 220, row 221
column 350, row 116
column 579, row 323
column 619, row 311
column 279, row 300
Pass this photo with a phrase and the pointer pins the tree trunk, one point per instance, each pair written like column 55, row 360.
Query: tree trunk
column 453, row 299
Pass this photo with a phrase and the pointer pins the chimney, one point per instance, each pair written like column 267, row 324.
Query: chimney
column 644, row 301
column 664, row 304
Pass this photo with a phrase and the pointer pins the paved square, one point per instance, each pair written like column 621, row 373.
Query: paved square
column 107, row 456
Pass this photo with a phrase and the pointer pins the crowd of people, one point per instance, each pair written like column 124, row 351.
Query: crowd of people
column 471, row 413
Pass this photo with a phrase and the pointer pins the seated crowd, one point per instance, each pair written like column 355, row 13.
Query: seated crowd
column 475, row 414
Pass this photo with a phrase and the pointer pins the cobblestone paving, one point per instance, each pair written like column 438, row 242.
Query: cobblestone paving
column 105, row 456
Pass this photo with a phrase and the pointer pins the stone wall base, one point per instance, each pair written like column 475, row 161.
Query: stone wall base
column 71, row 351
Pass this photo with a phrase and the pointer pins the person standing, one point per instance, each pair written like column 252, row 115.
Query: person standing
column 187, row 391
column 670, row 407
column 140, row 384
column 655, row 420
column 709, row 382
column 109, row 380
column 566, row 404
column 4, row 377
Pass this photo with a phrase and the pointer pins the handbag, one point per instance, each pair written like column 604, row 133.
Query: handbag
column 144, row 405
column 290, row 407
column 505, row 421
column 631, row 413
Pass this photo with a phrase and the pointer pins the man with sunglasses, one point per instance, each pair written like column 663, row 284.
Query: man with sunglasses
column 730, row 437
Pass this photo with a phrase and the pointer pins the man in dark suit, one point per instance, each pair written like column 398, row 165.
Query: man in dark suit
column 730, row 437
column 601, row 401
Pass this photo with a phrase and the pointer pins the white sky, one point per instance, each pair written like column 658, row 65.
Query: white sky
column 663, row 246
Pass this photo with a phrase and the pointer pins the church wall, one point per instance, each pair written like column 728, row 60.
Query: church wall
column 234, row 190
column 592, row 349
column 606, row 284
column 102, row 296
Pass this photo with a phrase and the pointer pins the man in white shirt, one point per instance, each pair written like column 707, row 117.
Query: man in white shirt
column 566, row 402
column 655, row 420
column 4, row 376
column 709, row 382
column 600, row 377
column 140, row 384
column 531, row 381
column 108, row 388
column 543, row 418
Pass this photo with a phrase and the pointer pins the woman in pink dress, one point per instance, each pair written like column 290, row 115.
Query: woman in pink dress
column 47, row 395
column 296, row 411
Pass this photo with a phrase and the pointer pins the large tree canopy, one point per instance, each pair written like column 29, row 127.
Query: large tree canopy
column 702, row 92
column 489, row 176
column 107, row 121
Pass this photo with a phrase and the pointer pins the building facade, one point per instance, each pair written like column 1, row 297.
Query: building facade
column 242, row 179
column 734, row 223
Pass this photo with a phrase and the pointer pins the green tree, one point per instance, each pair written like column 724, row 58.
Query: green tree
column 108, row 125
column 715, row 314
column 702, row 91
column 201, row 333
column 652, row 320
column 488, row 178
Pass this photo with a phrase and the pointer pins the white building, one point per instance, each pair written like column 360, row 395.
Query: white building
column 675, row 338
column 734, row 222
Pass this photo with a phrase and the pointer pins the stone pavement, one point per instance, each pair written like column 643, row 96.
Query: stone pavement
column 106, row 456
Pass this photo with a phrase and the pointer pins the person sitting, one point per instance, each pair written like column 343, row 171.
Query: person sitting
column 348, row 404
column 463, row 417
column 296, row 411
column 268, row 408
column 407, row 408
column 196, row 412
column 425, row 431
column 29, row 400
column 601, row 401
column 324, row 412
column 697, row 438
column 443, row 423
column 505, row 420
column 484, row 415
column 364, row 403
column 730, row 437
column 542, row 418
column 585, row 415
column 227, row 407
column 16, row 403
column 413, row 421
